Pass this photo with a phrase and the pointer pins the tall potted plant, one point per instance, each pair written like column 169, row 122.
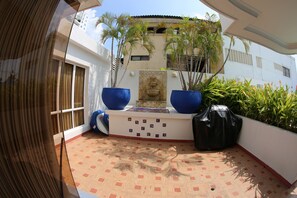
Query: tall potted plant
column 194, row 45
column 124, row 33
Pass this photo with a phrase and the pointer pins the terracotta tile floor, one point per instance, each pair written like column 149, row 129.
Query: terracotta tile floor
column 114, row 167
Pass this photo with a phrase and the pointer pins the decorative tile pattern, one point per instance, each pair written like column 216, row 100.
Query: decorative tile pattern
column 136, row 168
column 177, row 190
column 93, row 190
column 157, row 189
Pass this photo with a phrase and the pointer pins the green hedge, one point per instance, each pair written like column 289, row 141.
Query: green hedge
column 275, row 106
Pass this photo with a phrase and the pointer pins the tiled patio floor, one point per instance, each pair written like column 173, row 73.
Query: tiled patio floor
column 115, row 167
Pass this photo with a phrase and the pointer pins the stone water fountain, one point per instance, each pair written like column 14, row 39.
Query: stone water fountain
column 152, row 89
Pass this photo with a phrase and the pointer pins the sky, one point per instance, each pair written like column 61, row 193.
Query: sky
column 152, row 7
column 187, row 8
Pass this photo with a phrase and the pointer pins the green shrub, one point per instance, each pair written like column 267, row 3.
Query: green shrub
column 275, row 106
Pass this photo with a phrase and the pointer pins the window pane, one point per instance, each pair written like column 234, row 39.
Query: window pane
column 78, row 118
column 144, row 58
column 67, row 121
column 53, row 84
column 140, row 58
column 135, row 58
column 288, row 73
column 67, row 86
column 55, row 127
column 79, row 87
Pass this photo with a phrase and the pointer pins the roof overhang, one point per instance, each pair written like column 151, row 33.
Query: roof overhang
column 269, row 23
column 86, row 4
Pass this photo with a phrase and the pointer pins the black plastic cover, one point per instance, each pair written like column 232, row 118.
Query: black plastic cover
column 216, row 128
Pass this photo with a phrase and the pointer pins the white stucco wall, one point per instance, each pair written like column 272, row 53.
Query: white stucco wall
column 170, row 126
column 271, row 145
column 266, row 74
column 86, row 53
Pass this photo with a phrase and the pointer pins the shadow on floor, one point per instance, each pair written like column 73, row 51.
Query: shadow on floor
column 172, row 159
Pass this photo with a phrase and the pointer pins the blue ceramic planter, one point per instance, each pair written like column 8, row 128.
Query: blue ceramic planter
column 116, row 98
column 185, row 101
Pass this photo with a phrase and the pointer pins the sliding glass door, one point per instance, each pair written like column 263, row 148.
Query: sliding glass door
column 72, row 81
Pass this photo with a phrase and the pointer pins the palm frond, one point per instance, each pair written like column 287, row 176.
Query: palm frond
column 125, row 32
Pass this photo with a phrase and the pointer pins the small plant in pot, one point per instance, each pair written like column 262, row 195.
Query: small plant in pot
column 124, row 33
column 193, row 46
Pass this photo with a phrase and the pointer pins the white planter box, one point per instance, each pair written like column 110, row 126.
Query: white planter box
column 274, row 146
column 159, row 126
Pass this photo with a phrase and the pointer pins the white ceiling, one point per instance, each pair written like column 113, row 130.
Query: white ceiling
column 272, row 23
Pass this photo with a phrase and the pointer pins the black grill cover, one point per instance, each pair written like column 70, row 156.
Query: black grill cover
column 216, row 128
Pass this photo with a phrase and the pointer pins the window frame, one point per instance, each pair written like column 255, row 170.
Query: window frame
column 58, row 106
column 140, row 58
column 286, row 72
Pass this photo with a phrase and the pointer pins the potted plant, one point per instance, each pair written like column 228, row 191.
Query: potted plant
column 125, row 33
column 193, row 46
